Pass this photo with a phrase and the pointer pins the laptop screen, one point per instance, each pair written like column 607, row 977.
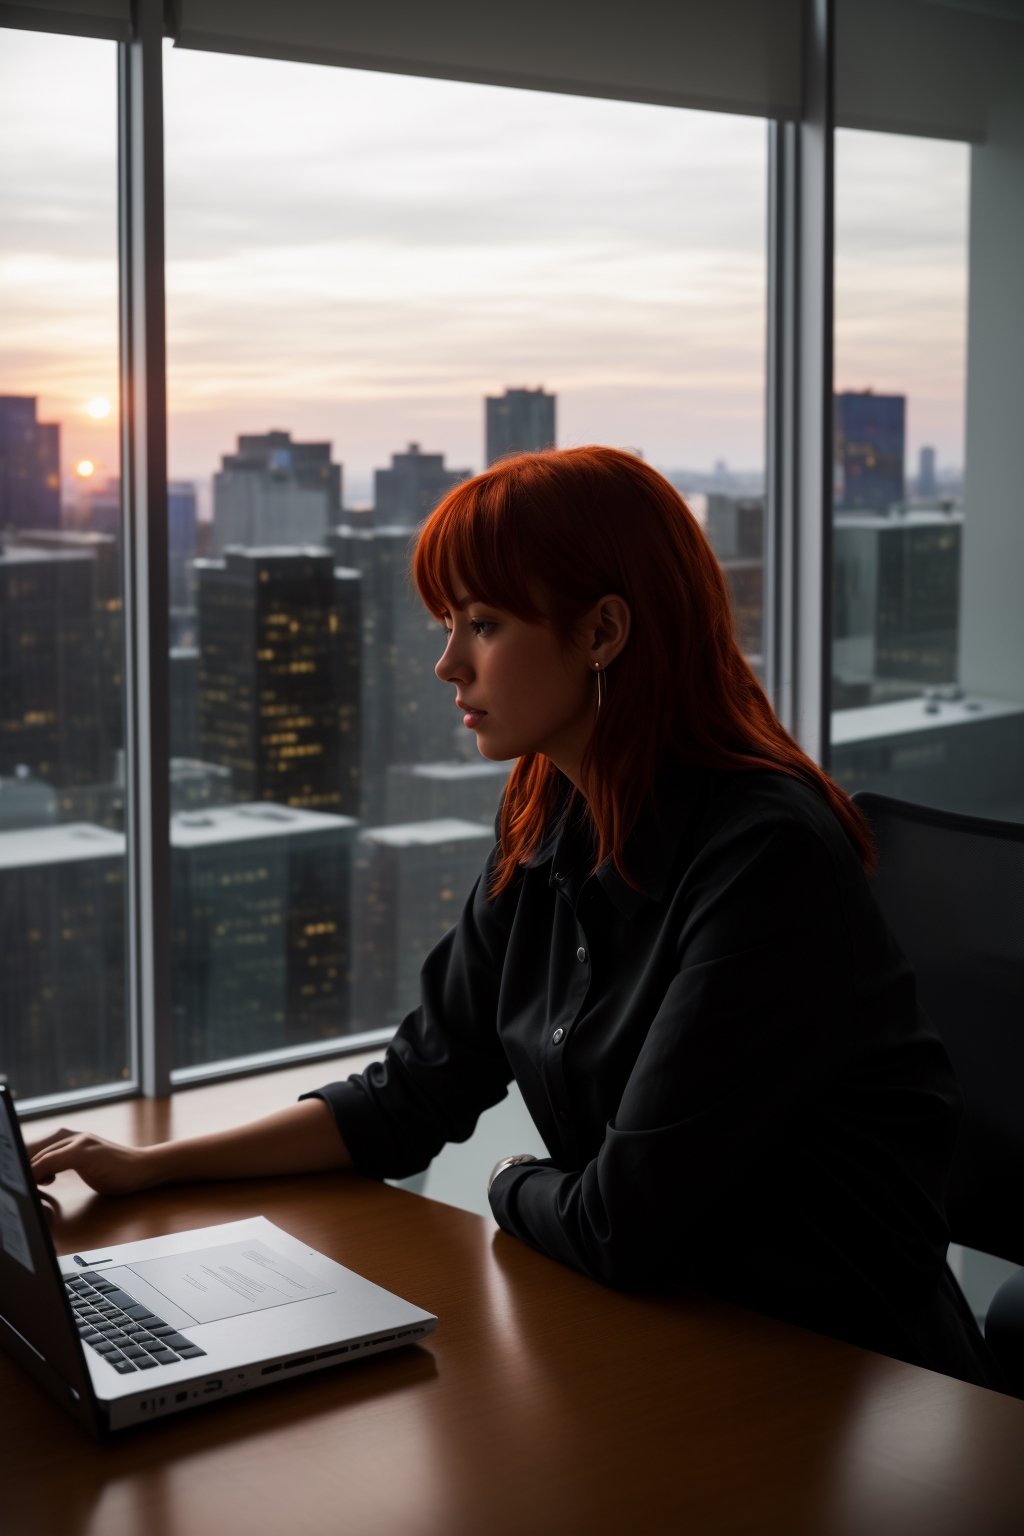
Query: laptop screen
column 36, row 1326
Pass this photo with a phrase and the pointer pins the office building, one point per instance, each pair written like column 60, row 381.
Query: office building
column 410, row 490
column 868, row 450
column 184, row 682
column 29, row 466
column 26, row 801
column 274, row 492
column 196, row 785
column 409, row 884
column 957, row 751
column 735, row 528
column 62, row 992
column 103, row 549
column 260, row 925
column 927, row 484
column 469, row 791
column 96, row 507
column 896, row 620
column 275, row 682
column 52, row 681
column 405, row 715
column 519, row 421
column 182, row 532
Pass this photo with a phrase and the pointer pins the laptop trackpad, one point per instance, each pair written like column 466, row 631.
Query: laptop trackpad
column 227, row 1281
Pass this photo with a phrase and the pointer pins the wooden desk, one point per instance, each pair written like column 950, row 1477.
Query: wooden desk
column 543, row 1403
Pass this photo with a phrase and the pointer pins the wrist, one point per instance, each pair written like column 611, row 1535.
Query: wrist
column 514, row 1161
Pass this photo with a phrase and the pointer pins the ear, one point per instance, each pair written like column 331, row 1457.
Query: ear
column 607, row 629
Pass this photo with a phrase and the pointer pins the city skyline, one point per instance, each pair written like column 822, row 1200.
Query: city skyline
column 371, row 270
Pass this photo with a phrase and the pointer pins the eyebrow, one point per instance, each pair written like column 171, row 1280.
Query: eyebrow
column 466, row 602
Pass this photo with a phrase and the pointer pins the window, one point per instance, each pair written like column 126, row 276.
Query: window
column 63, row 1026
column 927, row 638
column 368, row 301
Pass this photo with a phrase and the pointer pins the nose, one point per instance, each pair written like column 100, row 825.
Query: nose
column 451, row 667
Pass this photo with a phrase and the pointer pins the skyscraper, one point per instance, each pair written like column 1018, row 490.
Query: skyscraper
column 868, row 450
column 409, row 884
column 275, row 686
column 927, row 486
column 103, row 549
column 181, row 540
column 29, row 466
column 52, row 680
column 735, row 527
column 897, row 602
column 273, row 492
column 410, row 490
column 519, row 421
column 405, row 716
column 62, row 1013
column 260, row 922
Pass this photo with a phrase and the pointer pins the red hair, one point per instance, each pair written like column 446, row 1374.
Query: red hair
column 544, row 536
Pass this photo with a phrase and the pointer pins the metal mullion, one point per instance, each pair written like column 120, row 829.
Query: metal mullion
column 799, row 448
column 144, row 543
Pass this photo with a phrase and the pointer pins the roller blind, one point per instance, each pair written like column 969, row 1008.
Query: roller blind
column 926, row 67
column 728, row 55
column 79, row 18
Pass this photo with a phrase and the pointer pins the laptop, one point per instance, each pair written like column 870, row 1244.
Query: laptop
column 135, row 1331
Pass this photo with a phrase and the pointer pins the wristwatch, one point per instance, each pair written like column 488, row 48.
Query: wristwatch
column 509, row 1162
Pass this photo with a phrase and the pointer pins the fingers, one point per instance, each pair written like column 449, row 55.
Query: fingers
column 56, row 1153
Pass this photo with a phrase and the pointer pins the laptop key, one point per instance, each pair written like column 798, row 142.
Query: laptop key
column 177, row 1341
column 163, row 1356
column 104, row 1347
column 139, row 1314
column 192, row 1352
column 117, row 1298
column 122, row 1366
column 145, row 1364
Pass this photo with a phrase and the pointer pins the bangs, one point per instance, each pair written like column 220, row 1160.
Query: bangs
column 473, row 542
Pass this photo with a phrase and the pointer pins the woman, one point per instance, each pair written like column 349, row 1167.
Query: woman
column 672, row 949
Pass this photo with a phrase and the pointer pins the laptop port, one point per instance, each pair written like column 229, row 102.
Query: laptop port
column 268, row 1370
column 181, row 1397
column 214, row 1385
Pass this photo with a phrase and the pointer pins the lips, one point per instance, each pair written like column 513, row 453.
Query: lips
column 469, row 709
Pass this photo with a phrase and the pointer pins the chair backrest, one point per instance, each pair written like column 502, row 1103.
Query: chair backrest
column 951, row 888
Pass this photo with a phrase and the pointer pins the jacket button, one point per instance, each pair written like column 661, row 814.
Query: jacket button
column 557, row 1036
column 581, row 953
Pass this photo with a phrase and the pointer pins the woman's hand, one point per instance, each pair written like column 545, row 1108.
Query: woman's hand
column 105, row 1166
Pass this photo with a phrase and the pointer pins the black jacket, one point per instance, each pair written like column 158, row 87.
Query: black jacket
column 727, row 1065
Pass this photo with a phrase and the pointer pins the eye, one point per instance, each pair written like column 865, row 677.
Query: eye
column 482, row 626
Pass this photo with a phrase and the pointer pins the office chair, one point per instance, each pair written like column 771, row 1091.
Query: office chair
column 951, row 888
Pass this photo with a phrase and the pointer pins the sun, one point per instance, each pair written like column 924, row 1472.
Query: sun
column 85, row 468
column 99, row 408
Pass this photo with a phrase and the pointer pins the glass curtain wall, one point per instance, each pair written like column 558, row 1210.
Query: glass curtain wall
column 377, row 286
column 63, row 1026
column 928, row 633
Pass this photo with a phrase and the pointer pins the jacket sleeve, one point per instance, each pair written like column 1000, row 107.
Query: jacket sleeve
column 756, row 1019
column 445, row 1064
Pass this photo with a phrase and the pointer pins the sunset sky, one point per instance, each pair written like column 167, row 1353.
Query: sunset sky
column 363, row 257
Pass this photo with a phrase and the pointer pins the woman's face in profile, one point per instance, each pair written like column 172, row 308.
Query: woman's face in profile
column 519, row 688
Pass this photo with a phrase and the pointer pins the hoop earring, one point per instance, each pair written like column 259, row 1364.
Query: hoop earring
column 600, row 685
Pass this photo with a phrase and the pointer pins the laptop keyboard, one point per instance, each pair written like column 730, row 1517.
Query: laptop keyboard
column 129, row 1336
